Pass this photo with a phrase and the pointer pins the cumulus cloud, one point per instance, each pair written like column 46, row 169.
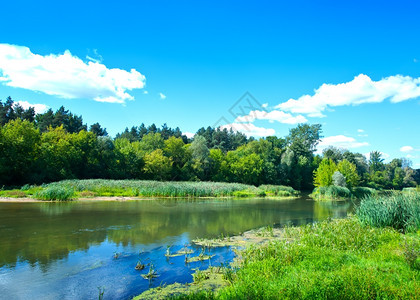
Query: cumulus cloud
column 39, row 108
column 340, row 141
column 162, row 96
column 249, row 129
column 274, row 115
column 265, row 105
column 407, row 149
column 360, row 90
column 66, row 76
column 189, row 135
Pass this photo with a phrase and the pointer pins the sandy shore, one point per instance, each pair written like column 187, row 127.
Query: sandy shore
column 8, row 199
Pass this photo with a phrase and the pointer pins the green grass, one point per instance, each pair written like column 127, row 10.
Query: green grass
column 339, row 259
column 400, row 211
column 279, row 190
column 330, row 192
column 53, row 193
column 144, row 188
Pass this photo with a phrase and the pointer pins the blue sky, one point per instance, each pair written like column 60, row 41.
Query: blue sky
column 187, row 63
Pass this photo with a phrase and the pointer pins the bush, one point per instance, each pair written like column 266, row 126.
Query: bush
column 55, row 193
column 399, row 211
column 360, row 192
column 279, row 190
column 331, row 192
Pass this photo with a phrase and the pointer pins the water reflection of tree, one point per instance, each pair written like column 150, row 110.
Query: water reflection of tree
column 40, row 233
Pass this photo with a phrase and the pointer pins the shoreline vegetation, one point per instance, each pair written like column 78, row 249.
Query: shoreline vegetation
column 108, row 190
column 372, row 254
column 135, row 189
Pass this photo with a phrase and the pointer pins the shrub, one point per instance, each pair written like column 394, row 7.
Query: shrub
column 55, row 193
column 279, row 190
column 399, row 211
column 331, row 192
column 360, row 192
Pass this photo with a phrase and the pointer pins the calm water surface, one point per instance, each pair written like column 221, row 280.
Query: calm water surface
column 66, row 250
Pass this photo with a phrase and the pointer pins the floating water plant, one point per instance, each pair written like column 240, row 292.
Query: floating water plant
column 151, row 274
column 139, row 266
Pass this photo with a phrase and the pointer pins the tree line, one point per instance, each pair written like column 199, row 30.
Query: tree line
column 52, row 146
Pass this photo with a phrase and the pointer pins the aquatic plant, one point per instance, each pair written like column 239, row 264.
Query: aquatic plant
column 400, row 211
column 151, row 274
column 279, row 190
column 101, row 292
column 139, row 266
column 61, row 193
column 199, row 276
column 331, row 192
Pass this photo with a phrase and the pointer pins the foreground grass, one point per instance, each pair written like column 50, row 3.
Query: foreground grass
column 339, row 259
column 69, row 189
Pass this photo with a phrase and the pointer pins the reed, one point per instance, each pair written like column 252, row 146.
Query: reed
column 400, row 211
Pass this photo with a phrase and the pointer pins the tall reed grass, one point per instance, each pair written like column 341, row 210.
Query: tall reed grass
column 147, row 188
column 400, row 211
column 55, row 192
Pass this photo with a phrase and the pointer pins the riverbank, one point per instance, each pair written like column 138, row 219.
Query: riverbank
column 340, row 259
column 137, row 189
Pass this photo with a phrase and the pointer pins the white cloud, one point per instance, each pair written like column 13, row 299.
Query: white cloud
column 66, row 76
column 274, row 115
column 145, row 92
column 358, row 91
column 265, row 105
column 162, row 96
column 360, row 130
column 340, row 141
column 406, row 149
column 249, row 129
column 39, row 108
column 189, row 135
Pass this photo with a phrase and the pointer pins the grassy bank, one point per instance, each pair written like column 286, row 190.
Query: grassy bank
column 71, row 189
column 333, row 192
column 340, row 259
column 374, row 254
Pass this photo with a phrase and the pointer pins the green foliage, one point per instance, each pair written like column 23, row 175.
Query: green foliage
column 55, row 192
column 399, row 211
column 339, row 179
column 331, row 192
column 349, row 172
column 339, row 259
column 361, row 192
column 157, row 166
column 324, row 173
column 135, row 188
column 19, row 147
column 279, row 190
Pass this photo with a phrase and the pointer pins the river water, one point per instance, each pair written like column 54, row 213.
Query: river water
column 75, row 250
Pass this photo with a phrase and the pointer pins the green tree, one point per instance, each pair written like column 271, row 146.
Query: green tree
column 176, row 150
column 376, row 161
column 98, row 130
column 324, row 173
column 199, row 163
column 151, row 142
column 349, row 172
column 339, row 179
column 157, row 166
column 19, row 145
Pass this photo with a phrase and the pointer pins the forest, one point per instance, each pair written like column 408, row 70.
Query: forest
column 53, row 146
